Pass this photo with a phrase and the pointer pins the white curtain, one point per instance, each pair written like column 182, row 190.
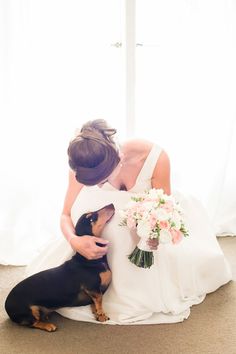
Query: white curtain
column 59, row 67
column 223, row 199
column 186, row 89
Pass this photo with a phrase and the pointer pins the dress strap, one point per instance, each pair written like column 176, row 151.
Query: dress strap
column 150, row 163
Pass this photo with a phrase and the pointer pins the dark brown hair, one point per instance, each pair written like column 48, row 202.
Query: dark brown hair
column 93, row 154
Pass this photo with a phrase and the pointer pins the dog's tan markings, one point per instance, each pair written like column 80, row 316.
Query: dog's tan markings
column 93, row 308
column 35, row 312
column 97, row 307
column 103, row 216
column 105, row 278
column 50, row 327
column 97, row 227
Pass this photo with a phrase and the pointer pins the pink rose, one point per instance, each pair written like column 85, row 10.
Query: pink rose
column 152, row 220
column 164, row 224
column 176, row 236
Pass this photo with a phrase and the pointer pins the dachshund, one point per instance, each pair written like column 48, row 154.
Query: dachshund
column 77, row 282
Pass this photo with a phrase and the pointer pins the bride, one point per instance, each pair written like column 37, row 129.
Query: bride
column 103, row 172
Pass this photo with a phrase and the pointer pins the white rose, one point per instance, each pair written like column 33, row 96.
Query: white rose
column 165, row 236
column 160, row 192
column 153, row 193
column 162, row 215
column 148, row 206
column 143, row 229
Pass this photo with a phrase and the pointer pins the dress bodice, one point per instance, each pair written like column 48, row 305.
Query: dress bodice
column 143, row 180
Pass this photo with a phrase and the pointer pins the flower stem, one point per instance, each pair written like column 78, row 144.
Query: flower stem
column 142, row 259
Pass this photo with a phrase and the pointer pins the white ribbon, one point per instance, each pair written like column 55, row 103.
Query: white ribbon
column 142, row 245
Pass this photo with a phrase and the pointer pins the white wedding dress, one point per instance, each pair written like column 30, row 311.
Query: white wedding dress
column 181, row 276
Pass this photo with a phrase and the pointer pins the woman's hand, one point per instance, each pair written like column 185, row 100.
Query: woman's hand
column 153, row 243
column 86, row 246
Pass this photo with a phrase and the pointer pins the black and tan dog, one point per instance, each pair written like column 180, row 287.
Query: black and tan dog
column 76, row 282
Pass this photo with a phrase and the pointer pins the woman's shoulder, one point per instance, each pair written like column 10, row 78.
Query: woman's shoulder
column 141, row 146
column 136, row 145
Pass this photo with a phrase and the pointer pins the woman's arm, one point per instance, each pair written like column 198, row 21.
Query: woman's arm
column 72, row 192
column 85, row 245
column 161, row 174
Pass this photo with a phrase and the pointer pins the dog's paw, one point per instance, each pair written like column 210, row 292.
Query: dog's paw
column 102, row 317
column 50, row 327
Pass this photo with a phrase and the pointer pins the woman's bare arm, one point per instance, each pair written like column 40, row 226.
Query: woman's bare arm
column 161, row 174
column 85, row 245
column 72, row 192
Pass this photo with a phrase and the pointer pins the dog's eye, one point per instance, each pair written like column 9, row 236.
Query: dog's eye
column 93, row 217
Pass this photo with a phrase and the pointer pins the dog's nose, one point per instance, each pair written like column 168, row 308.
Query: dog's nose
column 111, row 206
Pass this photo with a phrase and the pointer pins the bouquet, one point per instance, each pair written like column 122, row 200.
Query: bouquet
column 155, row 215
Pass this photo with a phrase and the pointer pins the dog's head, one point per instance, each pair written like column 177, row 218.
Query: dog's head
column 92, row 223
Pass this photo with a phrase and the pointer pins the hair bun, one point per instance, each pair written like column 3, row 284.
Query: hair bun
column 97, row 128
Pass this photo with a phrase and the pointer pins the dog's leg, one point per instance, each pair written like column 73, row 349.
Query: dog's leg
column 97, row 306
column 93, row 308
column 50, row 327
